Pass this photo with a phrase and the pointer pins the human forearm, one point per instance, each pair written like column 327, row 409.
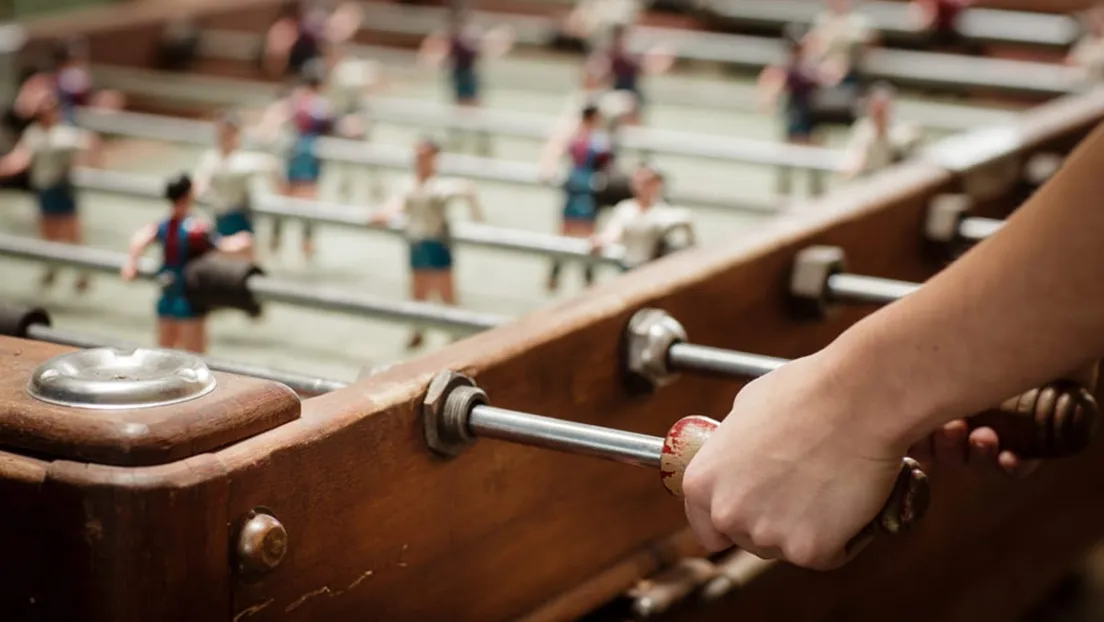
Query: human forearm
column 1017, row 311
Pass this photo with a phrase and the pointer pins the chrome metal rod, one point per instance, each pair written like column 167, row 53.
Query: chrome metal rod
column 266, row 289
column 566, row 436
column 704, row 359
column 300, row 383
column 899, row 66
column 867, row 289
column 355, row 217
column 395, row 157
column 976, row 229
column 673, row 90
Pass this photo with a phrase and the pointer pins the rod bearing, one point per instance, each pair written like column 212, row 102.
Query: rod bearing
column 448, row 403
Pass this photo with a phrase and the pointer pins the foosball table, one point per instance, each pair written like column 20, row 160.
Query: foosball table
column 144, row 486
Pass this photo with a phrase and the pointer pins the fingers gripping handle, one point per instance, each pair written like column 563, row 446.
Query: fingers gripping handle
column 905, row 507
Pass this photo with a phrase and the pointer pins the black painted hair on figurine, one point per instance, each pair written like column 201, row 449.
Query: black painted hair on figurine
column 178, row 187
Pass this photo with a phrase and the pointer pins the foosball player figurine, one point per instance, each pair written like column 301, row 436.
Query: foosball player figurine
column 939, row 20
column 797, row 82
column 300, row 35
column 838, row 40
column 224, row 180
column 352, row 82
column 645, row 225
column 302, row 118
column 48, row 150
column 181, row 322
column 590, row 151
column 1088, row 53
column 69, row 81
column 424, row 201
column 877, row 140
column 462, row 46
column 619, row 69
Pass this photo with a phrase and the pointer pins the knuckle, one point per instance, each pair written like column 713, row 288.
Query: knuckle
column 727, row 519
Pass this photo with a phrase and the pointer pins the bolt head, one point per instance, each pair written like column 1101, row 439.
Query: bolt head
column 262, row 543
column 1041, row 167
column 809, row 279
column 648, row 337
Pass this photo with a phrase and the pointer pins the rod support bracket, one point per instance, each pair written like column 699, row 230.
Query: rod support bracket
column 648, row 338
column 809, row 279
column 445, row 409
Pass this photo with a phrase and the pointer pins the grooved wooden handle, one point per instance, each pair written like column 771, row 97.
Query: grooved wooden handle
column 905, row 507
column 1053, row 421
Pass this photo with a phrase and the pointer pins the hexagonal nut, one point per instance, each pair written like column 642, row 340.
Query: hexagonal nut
column 444, row 421
column 809, row 279
column 1041, row 167
column 945, row 213
column 648, row 337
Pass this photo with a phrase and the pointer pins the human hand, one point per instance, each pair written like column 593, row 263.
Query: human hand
column 804, row 461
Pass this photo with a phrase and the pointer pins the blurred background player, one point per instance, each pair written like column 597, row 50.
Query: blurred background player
column 838, row 41
column 796, row 83
column 590, row 153
column 939, row 19
column 461, row 46
column 48, row 150
column 68, row 81
column 184, row 238
column 352, row 81
column 424, row 201
column 1088, row 53
column 645, row 225
column 877, row 140
column 301, row 34
column 303, row 117
column 225, row 177
column 590, row 24
column 619, row 69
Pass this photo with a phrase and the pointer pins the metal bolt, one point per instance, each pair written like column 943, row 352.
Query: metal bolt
column 262, row 543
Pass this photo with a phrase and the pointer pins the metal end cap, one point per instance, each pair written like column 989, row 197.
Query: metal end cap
column 1041, row 167
column 809, row 278
column 648, row 338
column 114, row 378
column 445, row 409
column 945, row 215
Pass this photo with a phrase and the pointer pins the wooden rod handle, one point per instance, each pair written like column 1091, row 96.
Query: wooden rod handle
column 1053, row 421
column 905, row 507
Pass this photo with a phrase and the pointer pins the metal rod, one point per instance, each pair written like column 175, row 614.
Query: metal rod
column 704, row 359
column 265, row 289
column 975, row 229
column 354, row 217
column 377, row 155
column 502, row 122
column 566, row 436
column 300, row 383
column 867, row 289
column 899, row 66
column 673, row 90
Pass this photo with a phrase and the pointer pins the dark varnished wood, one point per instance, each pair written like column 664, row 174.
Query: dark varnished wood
column 379, row 529
column 238, row 407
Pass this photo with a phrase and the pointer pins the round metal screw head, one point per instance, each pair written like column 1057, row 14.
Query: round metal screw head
column 262, row 543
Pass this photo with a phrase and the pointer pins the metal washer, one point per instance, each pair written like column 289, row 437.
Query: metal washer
column 114, row 378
